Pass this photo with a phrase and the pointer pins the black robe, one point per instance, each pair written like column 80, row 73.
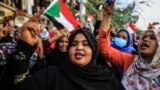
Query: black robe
column 56, row 57
column 66, row 77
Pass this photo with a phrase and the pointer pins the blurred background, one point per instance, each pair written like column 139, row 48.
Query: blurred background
column 143, row 13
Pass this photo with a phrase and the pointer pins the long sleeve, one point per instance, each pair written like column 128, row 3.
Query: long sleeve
column 113, row 55
column 17, row 66
column 96, row 27
column 39, row 64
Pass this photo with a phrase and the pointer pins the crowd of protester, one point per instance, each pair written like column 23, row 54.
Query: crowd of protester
column 34, row 58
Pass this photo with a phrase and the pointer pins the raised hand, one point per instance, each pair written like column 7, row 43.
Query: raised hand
column 64, row 32
column 36, row 16
column 107, row 10
column 108, row 7
column 58, row 34
column 5, row 21
column 30, row 33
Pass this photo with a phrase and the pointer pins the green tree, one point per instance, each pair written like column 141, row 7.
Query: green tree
column 120, row 18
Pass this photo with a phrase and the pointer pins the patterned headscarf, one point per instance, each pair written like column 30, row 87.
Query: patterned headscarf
column 141, row 75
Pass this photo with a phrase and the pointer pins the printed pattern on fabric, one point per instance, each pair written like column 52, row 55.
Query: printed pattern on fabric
column 8, row 48
column 139, row 77
column 20, row 77
column 33, row 59
column 142, row 75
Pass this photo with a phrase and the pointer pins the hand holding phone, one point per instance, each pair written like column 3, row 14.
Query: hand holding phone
column 108, row 7
column 109, row 2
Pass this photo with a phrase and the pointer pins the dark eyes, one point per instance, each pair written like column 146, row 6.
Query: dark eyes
column 84, row 43
column 153, row 37
column 63, row 41
column 150, row 37
column 123, row 37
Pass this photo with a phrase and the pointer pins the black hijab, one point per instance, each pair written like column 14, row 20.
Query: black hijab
column 92, row 76
column 56, row 57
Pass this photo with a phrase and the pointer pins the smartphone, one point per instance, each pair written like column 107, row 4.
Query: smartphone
column 109, row 2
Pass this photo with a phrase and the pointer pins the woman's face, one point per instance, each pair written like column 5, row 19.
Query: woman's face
column 123, row 35
column 63, row 43
column 80, row 52
column 148, row 45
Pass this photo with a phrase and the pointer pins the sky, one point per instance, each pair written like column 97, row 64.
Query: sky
column 148, row 12
column 152, row 11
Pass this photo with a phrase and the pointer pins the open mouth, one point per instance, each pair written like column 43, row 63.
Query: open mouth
column 79, row 55
column 144, row 46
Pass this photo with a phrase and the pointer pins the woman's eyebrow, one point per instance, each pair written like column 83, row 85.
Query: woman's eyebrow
column 85, row 40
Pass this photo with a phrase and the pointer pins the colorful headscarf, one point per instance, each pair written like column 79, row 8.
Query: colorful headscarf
column 141, row 75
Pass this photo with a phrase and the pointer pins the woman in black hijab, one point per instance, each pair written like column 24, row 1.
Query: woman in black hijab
column 90, row 76
column 59, row 54
column 78, row 72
